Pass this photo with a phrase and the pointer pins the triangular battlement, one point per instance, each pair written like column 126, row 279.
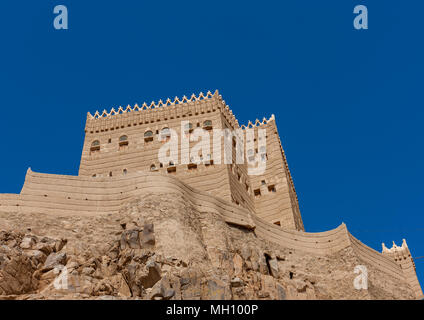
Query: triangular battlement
column 258, row 123
column 395, row 248
column 152, row 105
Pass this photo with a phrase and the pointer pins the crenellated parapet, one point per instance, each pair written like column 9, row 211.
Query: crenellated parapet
column 228, row 113
column 258, row 123
column 152, row 105
column 153, row 112
column 395, row 248
column 402, row 256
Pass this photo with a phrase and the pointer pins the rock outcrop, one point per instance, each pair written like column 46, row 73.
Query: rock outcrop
column 161, row 247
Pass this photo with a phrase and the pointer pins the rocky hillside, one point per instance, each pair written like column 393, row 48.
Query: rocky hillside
column 160, row 247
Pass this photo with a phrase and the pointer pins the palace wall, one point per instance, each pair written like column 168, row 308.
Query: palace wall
column 76, row 195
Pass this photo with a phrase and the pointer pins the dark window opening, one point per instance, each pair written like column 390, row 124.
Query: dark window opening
column 148, row 136
column 191, row 166
column 271, row 188
column 257, row 192
column 172, row 169
column 165, row 134
column 207, row 125
column 123, row 141
column 95, row 146
column 188, row 128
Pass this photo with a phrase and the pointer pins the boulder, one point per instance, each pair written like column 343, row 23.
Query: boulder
column 148, row 235
column 27, row 242
column 54, row 260
column 152, row 276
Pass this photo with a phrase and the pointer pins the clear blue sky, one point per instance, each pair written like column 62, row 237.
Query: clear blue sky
column 349, row 104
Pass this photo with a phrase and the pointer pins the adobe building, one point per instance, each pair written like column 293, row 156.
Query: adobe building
column 127, row 141
column 120, row 161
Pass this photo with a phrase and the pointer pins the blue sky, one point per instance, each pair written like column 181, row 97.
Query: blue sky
column 348, row 103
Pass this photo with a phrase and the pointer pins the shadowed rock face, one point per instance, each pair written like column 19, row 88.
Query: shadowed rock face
column 159, row 247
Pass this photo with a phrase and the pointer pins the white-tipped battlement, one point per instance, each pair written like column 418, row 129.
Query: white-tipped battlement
column 258, row 122
column 152, row 105
column 395, row 248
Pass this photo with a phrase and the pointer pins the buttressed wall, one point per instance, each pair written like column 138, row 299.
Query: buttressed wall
column 120, row 161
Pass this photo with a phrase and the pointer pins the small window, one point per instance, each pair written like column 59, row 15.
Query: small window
column 95, row 146
column 94, row 175
column 188, row 128
column 171, row 169
column 125, row 171
column 263, row 182
column 110, row 174
column 192, row 166
column 207, row 125
column 257, row 193
column 152, row 167
column 109, row 141
column 271, row 188
column 165, row 134
column 148, row 136
column 123, row 141
column 278, row 223
column 209, row 163
column 208, row 160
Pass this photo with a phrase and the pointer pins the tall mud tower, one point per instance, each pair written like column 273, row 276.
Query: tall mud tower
column 128, row 140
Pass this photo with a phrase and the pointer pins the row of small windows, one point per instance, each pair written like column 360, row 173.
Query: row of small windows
column 124, row 172
column 170, row 169
column 165, row 133
column 154, row 120
column 257, row 192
